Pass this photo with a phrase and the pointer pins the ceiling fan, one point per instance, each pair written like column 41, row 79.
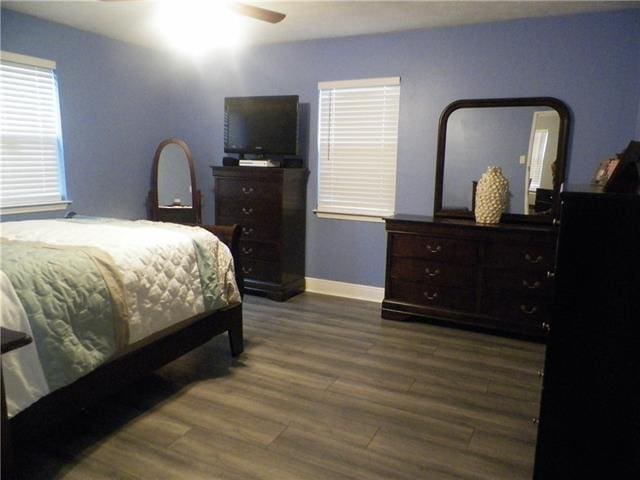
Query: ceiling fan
column 244, row 9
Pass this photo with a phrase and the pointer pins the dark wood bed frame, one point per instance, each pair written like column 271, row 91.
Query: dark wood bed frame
column 139, row 360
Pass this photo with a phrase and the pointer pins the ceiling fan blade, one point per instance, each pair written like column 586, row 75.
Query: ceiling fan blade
column 257, row 12
column 246, row 10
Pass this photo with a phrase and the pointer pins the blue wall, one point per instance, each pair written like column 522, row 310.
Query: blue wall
column 590, row 61
column 637, row 137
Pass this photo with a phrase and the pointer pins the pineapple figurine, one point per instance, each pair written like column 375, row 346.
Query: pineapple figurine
column 491, row 196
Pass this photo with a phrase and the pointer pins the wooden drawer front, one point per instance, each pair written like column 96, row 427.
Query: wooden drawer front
column 432, row 295
column 254, row 212
column 244, row 189
column 260, row 251
column 252, row 231
column 177, row 215
column 432, row 273
column 521, row 256
column 434, row 248
column 263, row 271
column 521, row 282
column 518, row 310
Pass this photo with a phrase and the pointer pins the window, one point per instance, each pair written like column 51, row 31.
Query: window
column 357, row 148
column 31, row 160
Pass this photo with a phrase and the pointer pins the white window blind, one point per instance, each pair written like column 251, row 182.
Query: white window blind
column 357, row 146
column 31, row 164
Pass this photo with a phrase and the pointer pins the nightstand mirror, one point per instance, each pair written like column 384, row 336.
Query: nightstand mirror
column 525, row 137
column 174, row 196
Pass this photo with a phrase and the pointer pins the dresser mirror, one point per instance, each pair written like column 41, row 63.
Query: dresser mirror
column 174, row 196
column 525, row 137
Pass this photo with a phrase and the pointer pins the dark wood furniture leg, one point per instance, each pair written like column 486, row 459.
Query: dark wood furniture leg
column 236, row 339
column 8, row 469
column 11, row 340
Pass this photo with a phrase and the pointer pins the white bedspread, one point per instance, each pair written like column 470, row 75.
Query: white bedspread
column 161, row 279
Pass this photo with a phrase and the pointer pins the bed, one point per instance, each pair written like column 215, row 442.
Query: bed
column 107, row 301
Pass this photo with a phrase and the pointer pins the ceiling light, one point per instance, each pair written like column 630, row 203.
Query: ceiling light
column 195, row 27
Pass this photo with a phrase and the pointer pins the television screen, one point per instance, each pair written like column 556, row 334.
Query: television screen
column 261, row 125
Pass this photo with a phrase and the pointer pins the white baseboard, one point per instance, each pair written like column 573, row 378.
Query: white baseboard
column 342, row 289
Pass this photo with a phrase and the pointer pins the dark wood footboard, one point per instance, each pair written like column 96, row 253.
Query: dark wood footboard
column 128, row 368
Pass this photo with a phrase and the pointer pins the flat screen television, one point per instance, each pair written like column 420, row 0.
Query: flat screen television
column 261, row 125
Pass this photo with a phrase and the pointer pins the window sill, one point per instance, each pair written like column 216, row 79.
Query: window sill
column 349, row 216
column 41, row 207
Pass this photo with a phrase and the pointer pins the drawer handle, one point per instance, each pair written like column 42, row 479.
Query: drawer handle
column 528, row 310
column 247, row 191
column 247, row 250
column 435, row 249
column 247, row 270
column 529, row 258
column 531, row 286
column 247, row 231
column 546, row 327
column 247, row 211
column 430, row 273
column 430, row 296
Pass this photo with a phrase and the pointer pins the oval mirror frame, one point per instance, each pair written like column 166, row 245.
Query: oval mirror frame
column 563, row 136
column 187, row 214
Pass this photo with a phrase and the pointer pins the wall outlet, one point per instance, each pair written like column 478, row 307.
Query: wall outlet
column 523, row 159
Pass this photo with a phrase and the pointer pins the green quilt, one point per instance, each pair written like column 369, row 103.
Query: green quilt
column 74, row 300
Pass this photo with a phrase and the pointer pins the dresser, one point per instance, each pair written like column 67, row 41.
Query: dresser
column 494, row 278
column 270, row 205
column 590, row 407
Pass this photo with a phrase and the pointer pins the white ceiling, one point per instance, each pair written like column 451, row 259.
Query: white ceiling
column 130, row 21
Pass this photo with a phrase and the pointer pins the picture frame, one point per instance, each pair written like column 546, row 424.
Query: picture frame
column 625, row 177
column 605, row 171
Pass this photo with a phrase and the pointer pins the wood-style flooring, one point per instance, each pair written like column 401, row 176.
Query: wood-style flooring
column 326, row 389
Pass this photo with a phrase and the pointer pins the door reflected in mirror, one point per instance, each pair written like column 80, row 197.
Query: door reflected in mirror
column 541, row 161
column 174, row 177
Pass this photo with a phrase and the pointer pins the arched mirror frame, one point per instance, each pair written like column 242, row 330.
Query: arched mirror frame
column 563, row 137
column 156, row 212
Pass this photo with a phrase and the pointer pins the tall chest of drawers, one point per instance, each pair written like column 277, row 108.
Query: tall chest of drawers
column 491, row 278
column 270, row 205
column 589, row 410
